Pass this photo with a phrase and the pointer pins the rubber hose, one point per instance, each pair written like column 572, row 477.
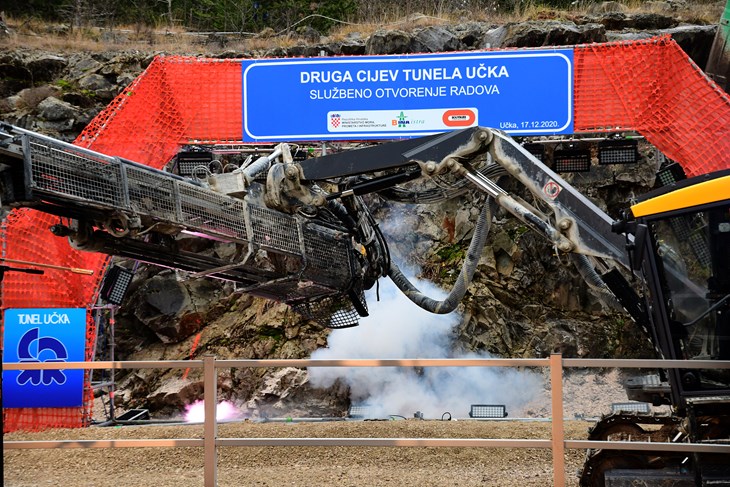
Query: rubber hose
column 341, row 212
column 589, row 274
column 465, row 276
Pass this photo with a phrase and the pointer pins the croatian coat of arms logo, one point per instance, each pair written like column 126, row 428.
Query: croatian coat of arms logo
column 335, row 120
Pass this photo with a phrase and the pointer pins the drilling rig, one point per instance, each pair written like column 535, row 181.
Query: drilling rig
column 304, row 235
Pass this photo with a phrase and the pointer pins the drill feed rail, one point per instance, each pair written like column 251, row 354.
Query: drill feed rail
column 69, row 181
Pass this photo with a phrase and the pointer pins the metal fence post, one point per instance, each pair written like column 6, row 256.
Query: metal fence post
column 210, row 428
column 558, row 434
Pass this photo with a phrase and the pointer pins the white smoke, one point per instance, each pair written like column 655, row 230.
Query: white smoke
column 397, row 328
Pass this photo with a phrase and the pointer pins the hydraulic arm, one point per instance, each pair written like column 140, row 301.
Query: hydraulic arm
column 300, row 231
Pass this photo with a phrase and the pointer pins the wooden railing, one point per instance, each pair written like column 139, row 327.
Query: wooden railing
column 210, row 441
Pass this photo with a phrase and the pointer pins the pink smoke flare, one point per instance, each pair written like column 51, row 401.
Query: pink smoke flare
column 224, row 411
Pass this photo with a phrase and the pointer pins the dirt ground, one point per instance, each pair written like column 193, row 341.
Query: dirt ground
column 297, row 466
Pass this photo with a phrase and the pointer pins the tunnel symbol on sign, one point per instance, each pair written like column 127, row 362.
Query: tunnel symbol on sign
column 26, row 355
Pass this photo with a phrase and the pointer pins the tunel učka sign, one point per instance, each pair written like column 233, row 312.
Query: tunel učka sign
column 527, row 92
column 52, row 335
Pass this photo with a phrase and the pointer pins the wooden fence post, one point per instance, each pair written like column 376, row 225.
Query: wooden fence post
column 210, row 428
column 558, row 433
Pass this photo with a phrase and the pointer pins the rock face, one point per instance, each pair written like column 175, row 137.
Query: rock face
column 82, row 83
column 174, row 309
column 524, row 302
column 538, row 34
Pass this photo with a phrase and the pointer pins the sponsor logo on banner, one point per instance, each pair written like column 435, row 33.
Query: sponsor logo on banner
column 459, row 118
column 335, row 120
column 400, row 121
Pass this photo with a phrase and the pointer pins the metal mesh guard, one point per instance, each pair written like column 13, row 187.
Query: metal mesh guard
column 58, row 170
column 212, row 212
column 151, row 194
column 328, row 255
column 275, row 230
column 331, row 312
column 293, row 290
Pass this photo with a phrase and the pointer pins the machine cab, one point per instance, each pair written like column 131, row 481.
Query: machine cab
column 684, row 254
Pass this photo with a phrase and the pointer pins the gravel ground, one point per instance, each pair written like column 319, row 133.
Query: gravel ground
column 297, row 466
column 586, row 395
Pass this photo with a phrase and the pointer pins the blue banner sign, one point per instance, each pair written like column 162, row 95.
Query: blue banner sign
column 389, row 97
column 43, row 335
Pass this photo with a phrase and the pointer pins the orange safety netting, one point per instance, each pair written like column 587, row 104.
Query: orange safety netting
column 650, row 86
column 25, row 237
column 653, row 87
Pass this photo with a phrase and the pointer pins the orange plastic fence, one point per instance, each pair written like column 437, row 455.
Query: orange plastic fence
column 650, row 86
column 25, row 236
column 653, row 87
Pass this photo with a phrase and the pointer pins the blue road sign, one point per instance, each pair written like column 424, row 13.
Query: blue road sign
column 386, row 97
column 43, row 335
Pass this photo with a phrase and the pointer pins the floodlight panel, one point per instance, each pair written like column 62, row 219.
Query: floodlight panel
column 537, row 150
column 572, row 160
column 358, row 411
column 187, row 161
column 618, row 152
column 670, row 174
column 115, row 285
column 488, row 411
column 638, row 407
